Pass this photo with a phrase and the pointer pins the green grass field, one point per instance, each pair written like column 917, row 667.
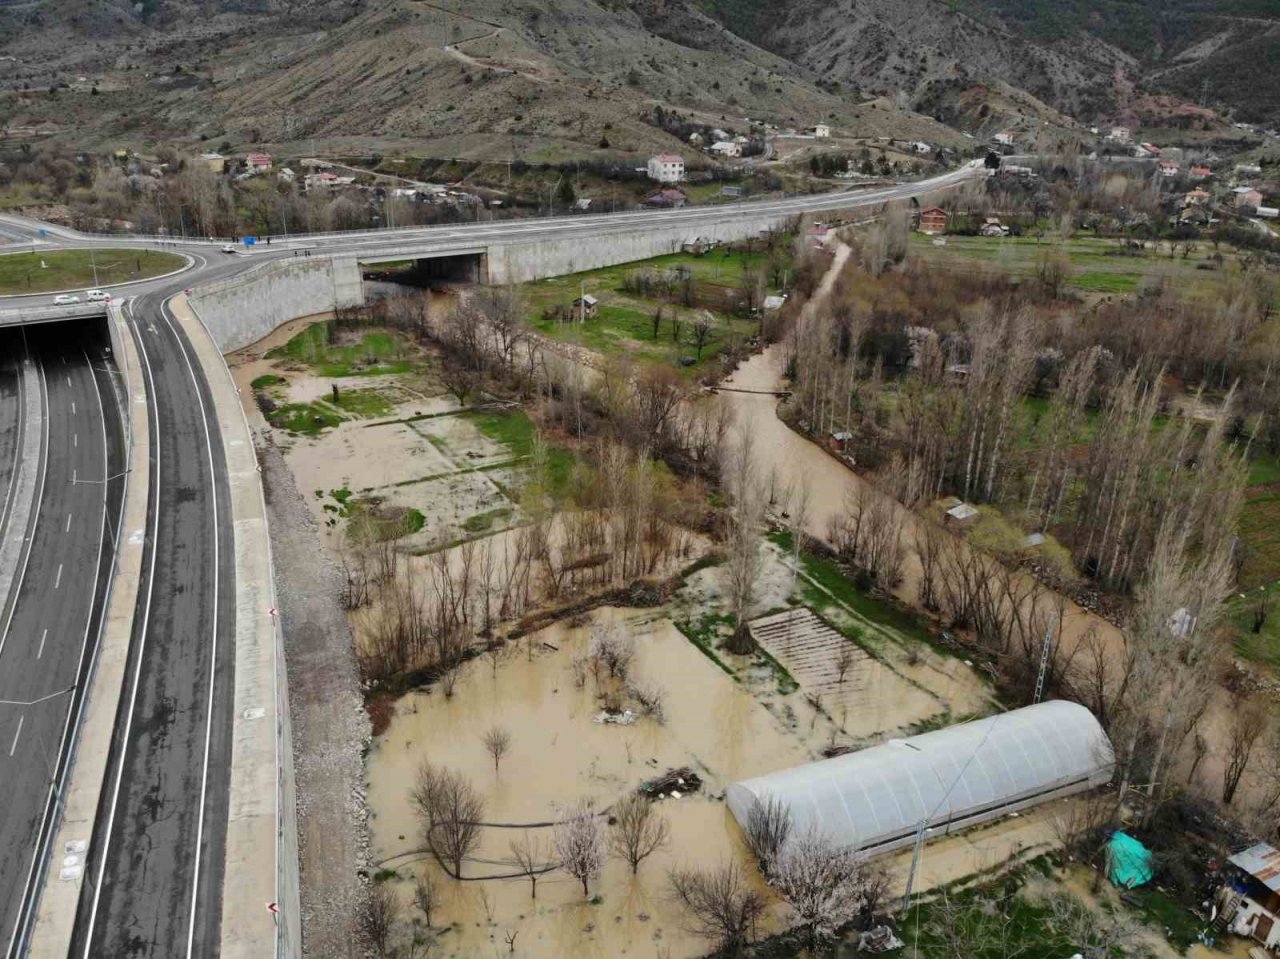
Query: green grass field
column 331, row 352
column 623, row 321
column 50, row 270
column 1099, row 266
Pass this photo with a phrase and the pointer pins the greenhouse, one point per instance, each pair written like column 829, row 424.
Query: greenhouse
column 876, row 799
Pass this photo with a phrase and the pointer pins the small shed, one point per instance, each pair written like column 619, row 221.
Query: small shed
column 961, row 514
column 1250, row 901
column 839, row 441
column 773, row 302
column 933, row 220
column 585, row 305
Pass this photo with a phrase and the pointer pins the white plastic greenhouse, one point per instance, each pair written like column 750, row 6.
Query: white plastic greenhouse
column 875, row 799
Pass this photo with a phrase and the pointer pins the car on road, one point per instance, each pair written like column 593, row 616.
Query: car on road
column 228, row 248
column 97, row 296
column 65, row 299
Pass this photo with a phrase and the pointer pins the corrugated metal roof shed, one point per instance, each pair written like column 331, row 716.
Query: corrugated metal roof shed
column 1262, row 862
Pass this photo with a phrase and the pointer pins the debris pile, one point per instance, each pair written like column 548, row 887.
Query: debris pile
column 673, row 784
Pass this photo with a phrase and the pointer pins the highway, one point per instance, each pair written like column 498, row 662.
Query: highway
column 154, row 874
column 50, row 626
column 157, row 857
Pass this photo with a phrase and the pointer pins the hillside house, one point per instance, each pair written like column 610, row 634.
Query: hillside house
column 838, row 441
column 1246, row 196
column 666, row 168
column 933, row 220
column 1200, row 173
column 258, row 162
column 921, row 147
column 668, row 198
column 585, row 306
column 822, row 131
column 993, row 227
column 1005, row 138
column 1151, row 148
column 1196, row 197
column 214, row 162
column 726, row 149
column 1250, row 901
column 1248, row 169
column 1120, row 135
column 1167, row 168
column 324, row 180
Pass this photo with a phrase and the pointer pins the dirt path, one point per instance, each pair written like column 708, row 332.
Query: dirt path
column 329, row 723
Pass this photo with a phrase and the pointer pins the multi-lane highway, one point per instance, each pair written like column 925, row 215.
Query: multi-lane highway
column 154, row 873
column 61, row 433
column 157, row 857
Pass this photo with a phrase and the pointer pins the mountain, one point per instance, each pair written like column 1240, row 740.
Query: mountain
column 1094, row 59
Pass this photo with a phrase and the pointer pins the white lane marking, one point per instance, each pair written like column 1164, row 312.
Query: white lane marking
column 64, row 359
column 21, row 719
column 74, row 475
column 57, row 582
column 68, row 527
column 142, row 646
column 43, row 637
column 213, row 654
column 75, row 440
column 73, row 407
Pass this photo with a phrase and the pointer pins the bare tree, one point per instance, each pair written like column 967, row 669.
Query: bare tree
column 450, row 811
column 531, row 859
column 1248, row 723
column 844, row 661
column 580, row 844
column 746, row 514
column 1095, row 933
column 381, row 911
column 822, row 882
column 638, row 830
column 767, row 829
column 497, row 742
column 426, row 896
column 703, row 326
column 720, row 904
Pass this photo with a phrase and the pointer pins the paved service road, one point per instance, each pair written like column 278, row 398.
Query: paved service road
column 49, row 633
column 156, row 864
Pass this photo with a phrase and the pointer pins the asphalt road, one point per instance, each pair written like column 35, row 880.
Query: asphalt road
column 11, row 399
column 157, row 859
column 50, row 631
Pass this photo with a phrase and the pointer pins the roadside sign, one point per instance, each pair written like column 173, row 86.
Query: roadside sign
column 42, row 232
column 250, row 240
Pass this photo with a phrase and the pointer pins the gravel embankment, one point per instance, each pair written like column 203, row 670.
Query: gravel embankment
column 330, row 726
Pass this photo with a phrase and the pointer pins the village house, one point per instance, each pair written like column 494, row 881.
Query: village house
column 1248, row 169
column 921, row 147
column 258, row 162
column 666, row 168
column 1005, row 138
column 838, row 441
column 1249, row 902
column 324, row 180
column 585, row 306
column 727, row 149
column 214, row 162
column 1247, row 196
column 1151, row 148
column 933, row 220
column 1167, row 168
column 1196, row 197
column 668, row 198
column 993, row 227
column 1200, row 173
column 1120, row 135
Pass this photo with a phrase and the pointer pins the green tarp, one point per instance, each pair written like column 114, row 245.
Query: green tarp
column 1128, row 861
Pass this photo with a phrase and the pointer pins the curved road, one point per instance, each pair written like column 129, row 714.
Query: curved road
column 155, row 864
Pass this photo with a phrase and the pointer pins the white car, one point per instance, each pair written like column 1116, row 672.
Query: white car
column 228, row 248
column 65, row 299
column 97, row 296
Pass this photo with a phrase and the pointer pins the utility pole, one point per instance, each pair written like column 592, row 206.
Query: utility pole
column 915, row 863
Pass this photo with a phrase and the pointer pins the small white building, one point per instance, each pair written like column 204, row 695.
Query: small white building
column 1268, row 212
column 1248, row 169
column 921, row 147
column 727, row 148
column 666, row 168
column 1120, row 135
column 1005, row 138
column 822, row 131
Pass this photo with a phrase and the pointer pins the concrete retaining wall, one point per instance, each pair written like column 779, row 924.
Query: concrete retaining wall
column 245, row 308
column 521, row 262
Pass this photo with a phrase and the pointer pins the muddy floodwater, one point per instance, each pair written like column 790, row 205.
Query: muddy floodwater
column 558, row 754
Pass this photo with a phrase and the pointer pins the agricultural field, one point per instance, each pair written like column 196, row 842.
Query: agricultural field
column 56, row 270
column 624, row 320
column 1098, row 266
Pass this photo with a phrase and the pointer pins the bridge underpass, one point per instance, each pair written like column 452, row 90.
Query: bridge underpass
column 470, row 266
column 53, row 314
